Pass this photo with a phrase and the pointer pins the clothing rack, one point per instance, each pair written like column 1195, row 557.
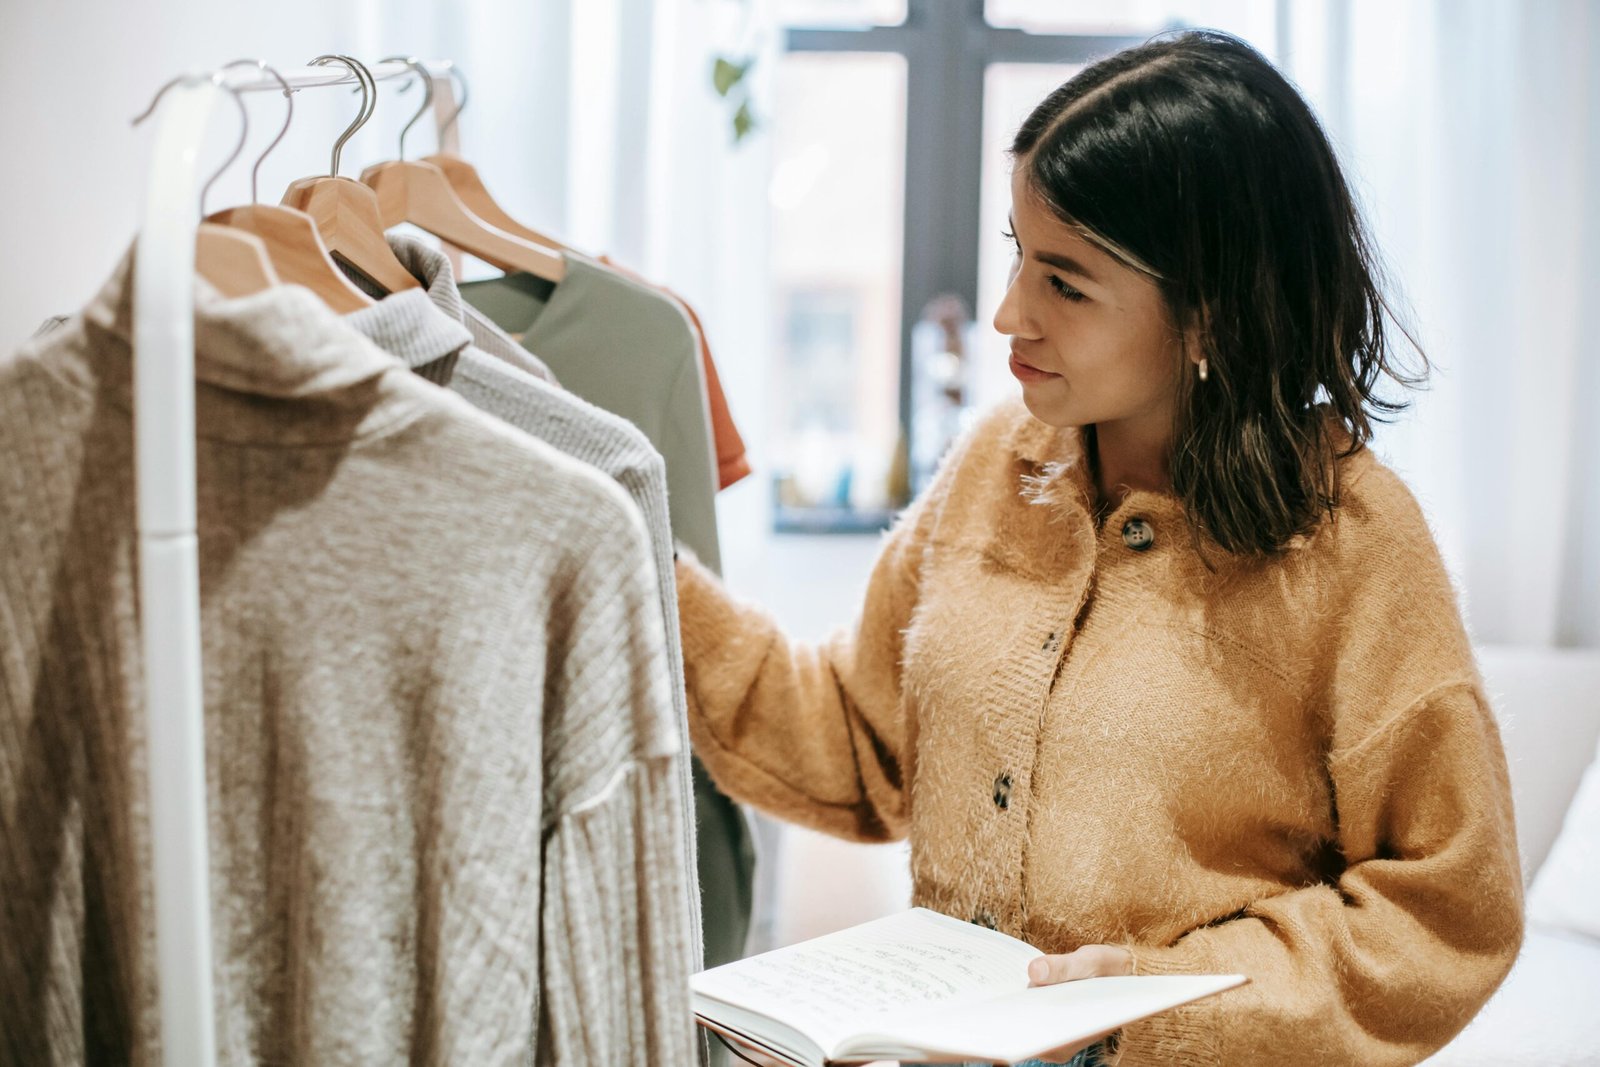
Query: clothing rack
column 169, row 556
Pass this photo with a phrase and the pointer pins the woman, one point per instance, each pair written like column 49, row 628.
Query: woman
column 1163, row 673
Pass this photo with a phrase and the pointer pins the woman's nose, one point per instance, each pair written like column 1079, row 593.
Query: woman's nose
column 1008, row 317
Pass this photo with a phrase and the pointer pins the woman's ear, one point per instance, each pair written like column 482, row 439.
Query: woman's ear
column 1196, row 325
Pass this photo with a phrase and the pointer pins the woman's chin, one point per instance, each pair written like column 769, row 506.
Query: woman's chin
column 1048, row 409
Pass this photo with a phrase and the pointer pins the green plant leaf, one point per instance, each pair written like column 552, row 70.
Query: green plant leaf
column 725, row 75
column 744, row 122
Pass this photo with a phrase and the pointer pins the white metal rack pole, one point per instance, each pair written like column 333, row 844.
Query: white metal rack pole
column 169, row 556
column 169, row 573
column 245, row 80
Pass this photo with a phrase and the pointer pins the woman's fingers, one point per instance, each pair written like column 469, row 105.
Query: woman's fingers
column 1090, row 961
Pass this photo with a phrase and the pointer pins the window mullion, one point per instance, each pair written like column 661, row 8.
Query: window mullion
column 948, row 47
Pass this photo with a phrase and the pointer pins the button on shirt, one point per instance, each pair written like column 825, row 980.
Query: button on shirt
column 1002, row 792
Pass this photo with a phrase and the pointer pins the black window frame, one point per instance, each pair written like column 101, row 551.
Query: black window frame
column 948, row 46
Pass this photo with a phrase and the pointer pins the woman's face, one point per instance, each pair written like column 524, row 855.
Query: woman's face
column 1092, row 341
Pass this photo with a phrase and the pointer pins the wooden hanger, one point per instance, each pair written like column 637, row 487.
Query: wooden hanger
column 295, row 247
column 420, row 194
column 346, row 214
column 234, row 262
column 289, row 238
column 464, row 179
column 344, row 211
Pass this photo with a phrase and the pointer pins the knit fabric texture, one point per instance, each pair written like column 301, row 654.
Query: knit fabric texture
column 427, row 329
column 437, row 708
column 630, row 351
column 427, row 336
column 1286, row 768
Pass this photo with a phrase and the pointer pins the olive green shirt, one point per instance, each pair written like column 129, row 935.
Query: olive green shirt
column 626, row 348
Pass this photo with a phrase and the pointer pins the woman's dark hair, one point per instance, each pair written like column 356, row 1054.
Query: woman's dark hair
column 1192, row 158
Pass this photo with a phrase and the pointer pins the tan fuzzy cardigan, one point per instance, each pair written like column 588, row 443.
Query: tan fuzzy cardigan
column 1285, row 768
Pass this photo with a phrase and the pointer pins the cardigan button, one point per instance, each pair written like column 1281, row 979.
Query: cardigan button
column 1002, row 792
column 985, row 919
column 1138, row 534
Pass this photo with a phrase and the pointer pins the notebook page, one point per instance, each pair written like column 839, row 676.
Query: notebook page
column 1025, row 1023
column 834, row 985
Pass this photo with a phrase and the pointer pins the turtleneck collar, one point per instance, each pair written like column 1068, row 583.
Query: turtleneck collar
column 281, row 342
column 275, row 368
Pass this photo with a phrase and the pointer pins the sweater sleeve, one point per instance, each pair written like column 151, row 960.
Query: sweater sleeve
column 1389, row 962
column 816, row 734
column 617, row 945
column 1415, row 915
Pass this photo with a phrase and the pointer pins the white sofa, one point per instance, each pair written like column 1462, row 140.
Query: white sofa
column 1547, row 1014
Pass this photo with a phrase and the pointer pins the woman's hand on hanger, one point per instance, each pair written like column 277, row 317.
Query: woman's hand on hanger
column 1090, row 961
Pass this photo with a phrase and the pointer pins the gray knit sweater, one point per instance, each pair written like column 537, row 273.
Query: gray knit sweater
column 424, row 336
column 437, row 714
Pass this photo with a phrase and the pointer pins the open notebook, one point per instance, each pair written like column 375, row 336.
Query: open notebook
column 921, row 986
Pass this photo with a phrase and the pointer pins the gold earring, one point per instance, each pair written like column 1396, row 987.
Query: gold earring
column 1204, row 370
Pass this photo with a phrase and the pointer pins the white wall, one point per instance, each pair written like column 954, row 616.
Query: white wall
column 72, row 75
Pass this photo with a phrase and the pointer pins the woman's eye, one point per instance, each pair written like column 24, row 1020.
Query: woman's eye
column 1064, row 290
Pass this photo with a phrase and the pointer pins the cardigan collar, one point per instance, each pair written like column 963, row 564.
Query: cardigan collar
column 1056, row 471
column 422, row 326
column 1038, row 442
column 1055, row 475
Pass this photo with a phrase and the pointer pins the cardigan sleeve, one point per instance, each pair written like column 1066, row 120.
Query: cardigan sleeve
column 1415, row 914
column 1389, row 962
column 812, row 733
column 817, row 734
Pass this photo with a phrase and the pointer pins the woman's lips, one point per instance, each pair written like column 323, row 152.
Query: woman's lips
column 1026, row 373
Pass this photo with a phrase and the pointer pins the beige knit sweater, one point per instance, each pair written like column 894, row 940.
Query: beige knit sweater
column 443, row 770
column 1286, row 769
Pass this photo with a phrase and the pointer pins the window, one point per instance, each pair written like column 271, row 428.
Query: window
column 837, row 202
column 888, row 197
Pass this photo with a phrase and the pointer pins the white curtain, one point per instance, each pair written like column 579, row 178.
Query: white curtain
column 1471, row 129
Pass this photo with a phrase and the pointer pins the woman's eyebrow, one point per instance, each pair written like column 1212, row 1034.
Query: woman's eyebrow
column 1067, row 264
column 1057, row 260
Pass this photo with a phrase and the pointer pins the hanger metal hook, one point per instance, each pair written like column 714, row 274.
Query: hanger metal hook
column 369, row 88
column 288, row 117
column 187, row 79
column 461, row 101
column 427, row 93
column 217, row 78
